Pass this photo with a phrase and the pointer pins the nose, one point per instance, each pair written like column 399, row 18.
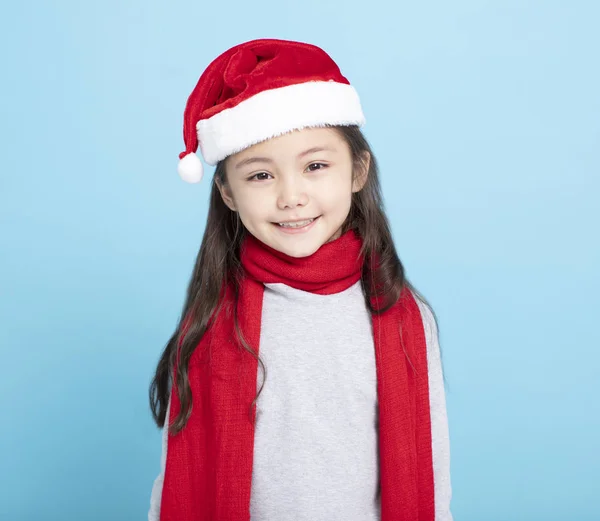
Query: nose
column 291, row 193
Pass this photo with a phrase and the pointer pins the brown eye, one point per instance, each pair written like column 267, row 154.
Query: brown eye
column 255, row 175
column 321, row 164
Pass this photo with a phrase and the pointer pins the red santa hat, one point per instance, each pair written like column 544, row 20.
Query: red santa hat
column 260, row 89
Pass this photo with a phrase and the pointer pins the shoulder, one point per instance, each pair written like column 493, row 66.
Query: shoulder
column 427, row 314
column 412, row 302
column 429, row 320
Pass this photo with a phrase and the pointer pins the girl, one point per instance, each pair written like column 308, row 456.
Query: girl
column 297, row 271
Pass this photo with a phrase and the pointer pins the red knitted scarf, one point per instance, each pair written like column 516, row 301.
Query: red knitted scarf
column 209, row 463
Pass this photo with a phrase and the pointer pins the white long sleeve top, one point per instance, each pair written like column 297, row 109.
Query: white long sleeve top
column 316, row 435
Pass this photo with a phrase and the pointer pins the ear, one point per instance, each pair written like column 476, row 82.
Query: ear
column 226, row 195
column 362, row 172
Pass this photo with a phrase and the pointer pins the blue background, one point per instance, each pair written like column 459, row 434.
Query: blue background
column 484, row 116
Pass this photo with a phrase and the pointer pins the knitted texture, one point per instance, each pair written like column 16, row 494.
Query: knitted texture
column 209, row 466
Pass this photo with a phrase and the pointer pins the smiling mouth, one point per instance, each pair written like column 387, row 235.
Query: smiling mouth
column 297, row 224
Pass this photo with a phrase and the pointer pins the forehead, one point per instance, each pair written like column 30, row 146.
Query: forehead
column 292, row 143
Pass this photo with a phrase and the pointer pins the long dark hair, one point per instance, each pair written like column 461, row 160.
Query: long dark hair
column 218, row 265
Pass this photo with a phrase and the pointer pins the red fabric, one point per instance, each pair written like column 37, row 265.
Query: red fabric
column 248, row 69
column 209, row 463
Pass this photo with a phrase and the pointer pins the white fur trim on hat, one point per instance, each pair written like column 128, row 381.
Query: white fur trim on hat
column 277, row 111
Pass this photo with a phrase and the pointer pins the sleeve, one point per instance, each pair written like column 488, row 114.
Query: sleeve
column 155, row 497
column 440, row 439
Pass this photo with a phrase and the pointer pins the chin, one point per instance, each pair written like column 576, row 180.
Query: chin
column 296, row 245
column 299, row 251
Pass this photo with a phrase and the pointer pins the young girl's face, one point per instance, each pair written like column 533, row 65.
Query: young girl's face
column 304, row 174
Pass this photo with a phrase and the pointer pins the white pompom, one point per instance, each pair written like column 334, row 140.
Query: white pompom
column 190, row 168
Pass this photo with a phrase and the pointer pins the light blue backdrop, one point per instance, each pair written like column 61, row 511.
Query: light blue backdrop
column 485, row 119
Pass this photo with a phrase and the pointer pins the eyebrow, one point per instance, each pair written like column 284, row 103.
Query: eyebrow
column 312, row 150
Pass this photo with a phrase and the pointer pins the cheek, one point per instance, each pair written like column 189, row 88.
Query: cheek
column 253, row 207
column 336, row 195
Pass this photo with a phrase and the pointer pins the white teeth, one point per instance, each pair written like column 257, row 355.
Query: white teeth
column 296, row 225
